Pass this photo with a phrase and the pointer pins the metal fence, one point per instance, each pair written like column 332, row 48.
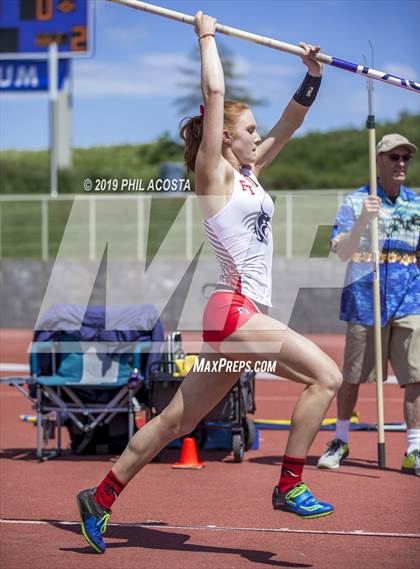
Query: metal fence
column 33, row 226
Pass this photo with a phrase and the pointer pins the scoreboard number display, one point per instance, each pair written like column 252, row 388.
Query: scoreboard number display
column 28, row 27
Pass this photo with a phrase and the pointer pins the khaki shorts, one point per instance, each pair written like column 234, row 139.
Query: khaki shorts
column 400, row 345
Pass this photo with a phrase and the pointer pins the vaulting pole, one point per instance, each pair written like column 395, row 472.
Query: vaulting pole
column 377, row 325
column 276, row 44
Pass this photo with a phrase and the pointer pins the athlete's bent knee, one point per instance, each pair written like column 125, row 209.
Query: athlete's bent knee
column 330, row 378
column 334, row 378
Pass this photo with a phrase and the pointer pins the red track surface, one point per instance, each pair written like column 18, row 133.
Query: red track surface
column 224, row 494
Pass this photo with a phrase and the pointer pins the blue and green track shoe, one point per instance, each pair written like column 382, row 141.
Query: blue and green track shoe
column 94, row 519
column 299, row 500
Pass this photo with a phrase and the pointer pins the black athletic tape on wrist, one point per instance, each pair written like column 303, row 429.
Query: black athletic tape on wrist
column 307, row 92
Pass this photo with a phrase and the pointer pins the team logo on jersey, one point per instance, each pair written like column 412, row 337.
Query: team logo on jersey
column 261, row 222
column 246, row 186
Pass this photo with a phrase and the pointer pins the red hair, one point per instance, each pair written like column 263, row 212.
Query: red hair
column 192, row 130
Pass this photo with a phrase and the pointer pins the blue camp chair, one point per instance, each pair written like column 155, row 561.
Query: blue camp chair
column 87, row 365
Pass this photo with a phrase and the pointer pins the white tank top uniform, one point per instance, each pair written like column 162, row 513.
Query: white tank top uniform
column 241, row 238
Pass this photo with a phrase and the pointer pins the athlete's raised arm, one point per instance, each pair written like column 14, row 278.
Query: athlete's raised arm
column 294, row 113
column 209, row 167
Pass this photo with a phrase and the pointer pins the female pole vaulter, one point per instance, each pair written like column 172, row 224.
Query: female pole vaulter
column 223, row 148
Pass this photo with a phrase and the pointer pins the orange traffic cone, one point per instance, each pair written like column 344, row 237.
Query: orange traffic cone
column 189, row 455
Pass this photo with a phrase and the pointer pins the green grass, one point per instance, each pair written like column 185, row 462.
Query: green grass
column 164, row 229
column 27, row 172
column 335, row 159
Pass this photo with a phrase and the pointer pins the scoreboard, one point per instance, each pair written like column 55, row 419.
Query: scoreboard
column 28, row 27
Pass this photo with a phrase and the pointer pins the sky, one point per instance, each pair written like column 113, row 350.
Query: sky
column 124, row 93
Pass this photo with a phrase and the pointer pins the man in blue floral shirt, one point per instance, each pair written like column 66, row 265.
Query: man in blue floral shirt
column 398, row 211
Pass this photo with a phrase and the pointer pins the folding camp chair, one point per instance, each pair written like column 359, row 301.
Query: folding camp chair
column 84, row 373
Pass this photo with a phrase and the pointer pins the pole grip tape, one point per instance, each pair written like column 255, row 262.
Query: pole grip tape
column 347, row 65
column 370, row 123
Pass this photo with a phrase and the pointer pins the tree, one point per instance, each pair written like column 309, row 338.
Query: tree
column 234, row 91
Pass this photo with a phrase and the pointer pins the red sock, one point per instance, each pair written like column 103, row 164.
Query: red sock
column 291, row 473
column 108, row 490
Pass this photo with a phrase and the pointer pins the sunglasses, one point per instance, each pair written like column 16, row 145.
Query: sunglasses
column 394, row 157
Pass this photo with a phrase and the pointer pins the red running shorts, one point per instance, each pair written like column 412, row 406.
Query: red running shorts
column 225, row 312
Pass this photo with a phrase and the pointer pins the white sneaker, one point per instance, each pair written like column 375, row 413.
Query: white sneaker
column 335, row 453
